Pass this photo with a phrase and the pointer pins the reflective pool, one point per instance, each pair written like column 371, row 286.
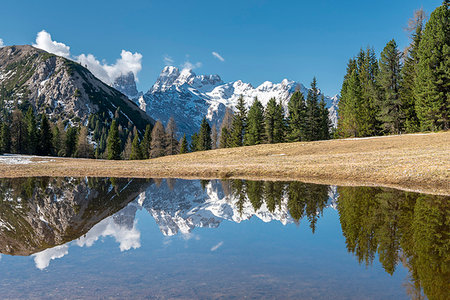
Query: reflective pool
column 173, row 238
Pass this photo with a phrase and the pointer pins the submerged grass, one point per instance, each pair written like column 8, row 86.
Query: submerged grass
column 416, row 162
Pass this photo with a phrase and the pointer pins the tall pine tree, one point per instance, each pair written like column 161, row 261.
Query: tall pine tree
column 239, row 124
column 296, row 120
column 204, row 136
column 113, row 142
column 254, row 134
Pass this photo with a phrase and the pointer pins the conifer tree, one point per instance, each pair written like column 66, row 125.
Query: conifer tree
column 146, row 142
column 184, row 145
column 5, row 138
column 32, row 131
column 45, row 137
column 136, row 151
column 171, row 141
column 239, row 124
column 84, row 148
column 297, row 118
column 225, row 129
column 409, row 73
column 349, row 103
column 214, row 137
column 324, row 121
column 274, row 122
column 113, row 142
column 18, row 132
column 390, row 114
column 158, row 144
column 204, row 136
column 432, row 85
column 312, row 112
column 126, row 153
column 71, row 141
column 194, row 142
column 254, row 134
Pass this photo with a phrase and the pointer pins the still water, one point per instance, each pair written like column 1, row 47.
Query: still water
column 191, row 239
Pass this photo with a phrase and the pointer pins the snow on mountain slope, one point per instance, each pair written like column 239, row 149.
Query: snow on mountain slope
column 189, row 97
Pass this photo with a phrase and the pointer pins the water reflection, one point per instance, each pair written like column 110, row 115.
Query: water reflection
column 45, row 217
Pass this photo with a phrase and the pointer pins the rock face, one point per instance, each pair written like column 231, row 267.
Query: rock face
column 61, row 88
column 126, row 84
column 189, row 97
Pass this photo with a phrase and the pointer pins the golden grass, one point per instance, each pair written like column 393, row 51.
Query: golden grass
column 417, row 162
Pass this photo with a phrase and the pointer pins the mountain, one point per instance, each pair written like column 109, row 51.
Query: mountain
column 189, row 97
column 61, row 88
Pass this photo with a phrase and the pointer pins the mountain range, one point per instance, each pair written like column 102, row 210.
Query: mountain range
column 62, row 88
column 188, row 97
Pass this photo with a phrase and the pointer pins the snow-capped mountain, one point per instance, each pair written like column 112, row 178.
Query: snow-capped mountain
column 189, row 97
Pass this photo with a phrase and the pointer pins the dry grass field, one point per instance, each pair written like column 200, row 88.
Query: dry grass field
column 416, row 162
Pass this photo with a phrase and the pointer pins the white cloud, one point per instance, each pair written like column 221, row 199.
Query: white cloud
column 44, row 41
column 1, row 43
column 214, row 248
column 128, row 61
column 43, row 258
column 168, row 61
column 218, row 56
column 191, row 66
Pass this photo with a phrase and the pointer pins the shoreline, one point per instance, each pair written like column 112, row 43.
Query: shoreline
column 413, row 162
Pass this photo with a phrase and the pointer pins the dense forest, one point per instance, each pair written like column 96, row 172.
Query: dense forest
column 401, row 92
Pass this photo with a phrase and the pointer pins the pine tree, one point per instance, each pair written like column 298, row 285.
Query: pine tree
column 274, row 122
column 18, row 132
column 349, row 103
column 113, row 142
column 146, row 142
column 214, row 137
column 5, row 138
column 136, row 151
column 297, row 118
column 254, row 134
column 194, row 141
column 71, row 141
column 45, row 146
column 409, row 73
column 324, row 123
column 171, row 141
column 225, row 129
column 239, row 124
column 312, row 112
column 84, row 148
column 432, row 85
column 184, row 145
column 391, row 114
column 158, row 144
column 32, row 132
column 126, row 153
column 204, row 136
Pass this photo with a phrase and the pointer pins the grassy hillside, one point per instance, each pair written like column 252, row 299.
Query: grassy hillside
column 419, row 162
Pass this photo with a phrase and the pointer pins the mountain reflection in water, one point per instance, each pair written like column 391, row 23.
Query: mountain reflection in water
column 44, row 217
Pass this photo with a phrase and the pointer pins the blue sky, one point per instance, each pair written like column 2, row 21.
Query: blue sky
column 259, row 40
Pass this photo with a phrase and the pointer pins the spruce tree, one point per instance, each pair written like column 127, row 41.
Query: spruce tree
column 324, row 121
column 84, row 148
column 158, row 144
column 239, row 124
column 254, row 134
column 184, row 145
column 225, row 129
column 5, row 138
column 214, row 137
column 136, row 151
column 32, row 132
column 194, row 141
column 297, row 118
column 390, row 115
column 409, row 73
column 146, row 142
column 171, row 141
column 113, row 142
column 204, row 136
column 45, row 146
column 312, row 112
column 348, row 124
column 432, row 84
column 18, row 132
column 71, row 141
column 126, row 153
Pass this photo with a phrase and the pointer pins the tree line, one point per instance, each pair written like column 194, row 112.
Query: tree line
column 400, row 92
column 306, row 120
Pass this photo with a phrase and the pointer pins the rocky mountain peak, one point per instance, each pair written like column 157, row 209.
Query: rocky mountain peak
column 126, row 84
